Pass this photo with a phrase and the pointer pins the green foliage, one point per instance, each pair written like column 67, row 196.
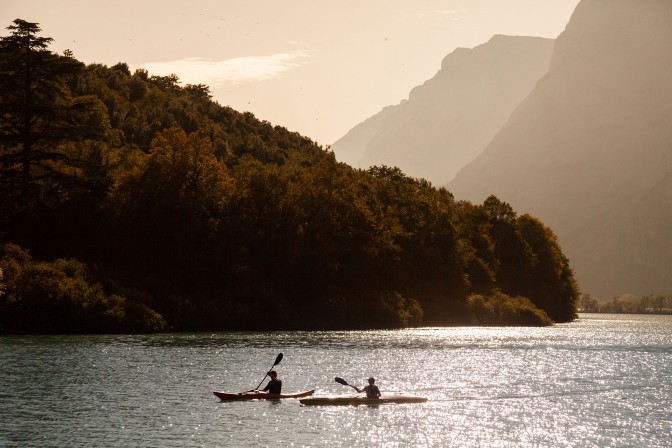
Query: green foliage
column 524, row 256
column 49, row 133
column 228, row 222
column 404, row 312
column 60, row 297
column 499, row 309
column 553, row 289
column 2, row 283
column 40, row 111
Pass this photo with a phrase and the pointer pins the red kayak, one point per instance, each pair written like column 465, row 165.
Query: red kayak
column 231, row 396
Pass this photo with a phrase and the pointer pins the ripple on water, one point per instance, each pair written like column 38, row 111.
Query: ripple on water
column 599, row 381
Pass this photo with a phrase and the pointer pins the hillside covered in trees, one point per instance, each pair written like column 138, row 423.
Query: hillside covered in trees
column 130, row 203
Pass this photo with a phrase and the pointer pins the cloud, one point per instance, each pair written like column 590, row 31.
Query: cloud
column 231, row 71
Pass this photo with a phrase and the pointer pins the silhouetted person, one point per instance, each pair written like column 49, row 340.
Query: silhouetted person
column 371, row 390
column 274, row 386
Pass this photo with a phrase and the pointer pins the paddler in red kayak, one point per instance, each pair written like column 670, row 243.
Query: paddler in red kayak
column 371, row 390
column 274, row 386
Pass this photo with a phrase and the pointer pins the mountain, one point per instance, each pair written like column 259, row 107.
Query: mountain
column 448, row 120
column 589, row 151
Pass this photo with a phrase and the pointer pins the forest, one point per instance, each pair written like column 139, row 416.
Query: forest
column 627, row 304
column 131, row 203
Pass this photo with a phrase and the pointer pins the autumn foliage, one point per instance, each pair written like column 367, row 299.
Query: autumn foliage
column 131, row 203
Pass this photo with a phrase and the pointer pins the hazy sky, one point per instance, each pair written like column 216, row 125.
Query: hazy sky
column 318, row 67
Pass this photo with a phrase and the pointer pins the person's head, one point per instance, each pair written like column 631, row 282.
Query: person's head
column 372, row 380
column 273, row 374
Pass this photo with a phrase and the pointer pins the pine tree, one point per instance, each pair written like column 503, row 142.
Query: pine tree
column 38, row 112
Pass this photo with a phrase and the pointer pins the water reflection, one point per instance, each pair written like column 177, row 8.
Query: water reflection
column 600, row 381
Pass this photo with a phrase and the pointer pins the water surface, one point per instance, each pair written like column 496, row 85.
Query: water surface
column 602, row 381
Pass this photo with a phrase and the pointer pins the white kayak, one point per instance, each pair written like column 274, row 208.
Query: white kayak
column 355, row 401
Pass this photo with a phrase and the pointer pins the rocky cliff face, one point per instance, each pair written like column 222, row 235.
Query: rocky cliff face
column 449, row 120
column 589, row 151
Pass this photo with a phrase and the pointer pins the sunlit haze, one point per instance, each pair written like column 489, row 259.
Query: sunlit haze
column 315, row 67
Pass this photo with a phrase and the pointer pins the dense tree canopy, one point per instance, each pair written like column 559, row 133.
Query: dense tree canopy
column 42, row 122
column 164, row 210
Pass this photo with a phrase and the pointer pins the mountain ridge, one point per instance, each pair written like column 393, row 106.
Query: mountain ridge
column 448, row 120
column 591, row 142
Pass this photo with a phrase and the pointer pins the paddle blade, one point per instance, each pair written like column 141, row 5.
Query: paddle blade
column 341, row 381
column 278, row 359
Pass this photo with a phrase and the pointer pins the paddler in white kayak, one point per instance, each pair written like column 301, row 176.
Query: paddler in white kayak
column 371, row 390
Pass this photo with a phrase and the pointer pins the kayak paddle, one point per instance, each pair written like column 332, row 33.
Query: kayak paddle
column 343, row 382
column 277, row 361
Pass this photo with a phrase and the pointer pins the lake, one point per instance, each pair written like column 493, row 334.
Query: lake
column 601, row 381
